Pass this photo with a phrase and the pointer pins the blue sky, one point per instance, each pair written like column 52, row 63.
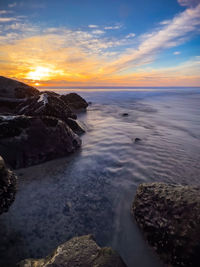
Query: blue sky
column 101, row 42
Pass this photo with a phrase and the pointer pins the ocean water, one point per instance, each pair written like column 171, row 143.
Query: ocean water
column 92, row 190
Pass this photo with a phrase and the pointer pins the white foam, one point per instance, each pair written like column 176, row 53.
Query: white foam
column 43, row 98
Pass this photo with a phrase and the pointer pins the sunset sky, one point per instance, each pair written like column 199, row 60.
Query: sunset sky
column 101, row 42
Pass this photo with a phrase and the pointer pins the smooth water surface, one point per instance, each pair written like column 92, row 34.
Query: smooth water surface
column 92, row 190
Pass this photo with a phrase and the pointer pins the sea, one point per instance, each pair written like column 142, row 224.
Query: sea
column 92, row 190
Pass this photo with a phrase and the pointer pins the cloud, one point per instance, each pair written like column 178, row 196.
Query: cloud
column 7, row 19
column 93, row 26
column 98, row 32
column 12, row 5
column 176, row 32
column 130, row 35
column 177, row 53
column 91, row 55
column 115, row 27
column 188, row 2
column 3, row 12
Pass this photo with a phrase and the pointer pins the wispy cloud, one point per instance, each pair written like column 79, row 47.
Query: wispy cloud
column 93, row 26
column 12, row 5
column 177, row 53
column 173, row 34
column 7, row 19
column 130, row 35
column 3, row 12
column 188, row 2
column 114, row 27
column 98, row 32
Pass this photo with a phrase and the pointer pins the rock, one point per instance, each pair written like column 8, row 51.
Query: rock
column 74, row 125
column 25, row 140
column 74, row 101
column 137, row 139
column 50, row 104
column 8, row 184
column 8, row 105
column 78, row 252
column 10, row 88
column 46, row 104
column 125, row 114
column 169, row 215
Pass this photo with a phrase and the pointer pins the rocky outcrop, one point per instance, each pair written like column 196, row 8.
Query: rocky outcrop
column 10, row 88
column 169, row 215
column 78, row 252
column 49, row 104
column 46, row 104
column 25, row 141
column 74, row 101
column 8, row 182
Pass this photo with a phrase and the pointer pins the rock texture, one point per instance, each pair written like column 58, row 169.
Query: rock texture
column 25, row 141
column 49, row 104
column 78, row 252
column 75, row 101
column 8, row 182
column 169, row 215
column 14, row 89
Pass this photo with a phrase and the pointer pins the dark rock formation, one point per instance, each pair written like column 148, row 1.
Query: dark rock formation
column 25, row 141
column 74, row 101
column 8, row 105
column 46, row 104
column 49, row 104
column 8, row 182
column 74, row 125
column 137, row 139
column 14, row 89
column 125, row 114
column 78, row 252
column 169, row 215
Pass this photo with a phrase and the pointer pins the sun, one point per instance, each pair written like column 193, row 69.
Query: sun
column 39, row 74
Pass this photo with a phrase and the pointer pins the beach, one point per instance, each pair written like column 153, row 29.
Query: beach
column 91, row 191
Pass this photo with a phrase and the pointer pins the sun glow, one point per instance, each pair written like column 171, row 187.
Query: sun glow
column 39, row 74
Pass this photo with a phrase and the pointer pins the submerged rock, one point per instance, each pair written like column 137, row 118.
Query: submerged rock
column 8, row 184
column 169, row 215
column 78, row 252
column 137, row 139
column 75, row 101
column 25, row 141
column 14, row 89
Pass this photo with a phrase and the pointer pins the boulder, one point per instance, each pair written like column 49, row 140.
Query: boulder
column 8, row 105
column 74, row 101
column 169, row 216
column 10, row 88
column 26, row 140
column 78, row 252
column 49, row 104
column 8, row 182
column 46, row 104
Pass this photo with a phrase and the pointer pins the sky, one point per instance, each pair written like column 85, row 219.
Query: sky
column 99, row 43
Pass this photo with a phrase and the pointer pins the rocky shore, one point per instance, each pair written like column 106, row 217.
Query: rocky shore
column 78, row 252
column 169, row 216
column 8, row 187
column 37, row 126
